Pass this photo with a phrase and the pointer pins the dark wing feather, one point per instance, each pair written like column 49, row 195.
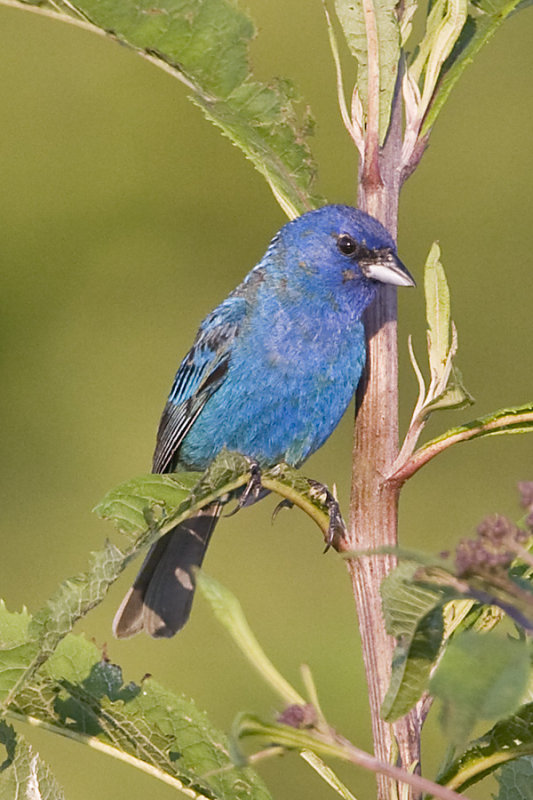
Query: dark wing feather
column 200, row 374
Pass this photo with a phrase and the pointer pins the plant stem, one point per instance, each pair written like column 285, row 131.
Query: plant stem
column 428, row 451
column 374, row 500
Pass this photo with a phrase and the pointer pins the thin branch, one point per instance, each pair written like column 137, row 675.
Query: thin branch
column 362, row 758
column 416, row 426
column 436, row 446
column 337, row 746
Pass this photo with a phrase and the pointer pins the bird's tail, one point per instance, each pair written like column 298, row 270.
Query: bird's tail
column 160, row 600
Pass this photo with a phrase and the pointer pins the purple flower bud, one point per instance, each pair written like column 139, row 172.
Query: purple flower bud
column 297, row 716
column 526, row 493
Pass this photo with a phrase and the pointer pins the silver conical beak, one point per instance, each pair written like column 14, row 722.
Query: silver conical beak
column 384, row 266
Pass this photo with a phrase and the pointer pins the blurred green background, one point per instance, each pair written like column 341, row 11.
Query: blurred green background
column 125, row 218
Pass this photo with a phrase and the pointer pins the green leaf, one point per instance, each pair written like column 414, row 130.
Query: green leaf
column 263, row 122
column 79, row 694
column 405, row 602
column 412, row 662
column 229, row 612
column 350, row 14
column 23, row 774
column 438, row 310
column 205, row 45
column 413, row 614
column 135, row 505
column 480, row 676
column 456, row 395
column 16, row 648
column 446, row 388
column 128, row 503
column 508, row 740
column 144, row 508
column 445, row 21
column 484, row 19
column 518, row 419
column 516, row 780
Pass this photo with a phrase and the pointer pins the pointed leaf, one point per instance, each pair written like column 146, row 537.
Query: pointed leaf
column 484, row 19
column 229, row 612
column 506, row 420
column 128, row 503
column 446, row 20
column 413, row 614
column 79, row 694
column 412, row 662
column 454, row 396
column 205, row 45
column 146, row 508
column 16, row 648
column 350, row 14
column 508, row 740
column 438, row 312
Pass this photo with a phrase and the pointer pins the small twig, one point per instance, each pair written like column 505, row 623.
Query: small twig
column 422, row 410
column 436, row 446
column 416, row 425
column 357, row 756
column 338, row 747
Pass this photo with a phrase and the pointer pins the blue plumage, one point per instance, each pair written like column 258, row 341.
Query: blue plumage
column 270, row 374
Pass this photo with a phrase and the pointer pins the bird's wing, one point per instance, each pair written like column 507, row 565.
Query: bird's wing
column 200, row 374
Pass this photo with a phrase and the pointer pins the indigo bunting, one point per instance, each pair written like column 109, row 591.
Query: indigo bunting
column 270, row 374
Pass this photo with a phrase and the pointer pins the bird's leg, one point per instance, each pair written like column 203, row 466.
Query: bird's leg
column 337, row 526
column 252, row 490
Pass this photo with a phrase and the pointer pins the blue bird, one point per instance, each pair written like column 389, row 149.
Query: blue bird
column 270, row 374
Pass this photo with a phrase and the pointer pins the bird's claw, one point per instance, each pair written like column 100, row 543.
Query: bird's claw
column 252, row 490
column 337, row 526
column 285, row 503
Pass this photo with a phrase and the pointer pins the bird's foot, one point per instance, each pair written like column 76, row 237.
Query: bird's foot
column 285, row 503
column 252, row 491
column 337, row 527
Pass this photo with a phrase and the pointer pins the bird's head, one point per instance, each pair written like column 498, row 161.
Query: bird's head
column 343, row 251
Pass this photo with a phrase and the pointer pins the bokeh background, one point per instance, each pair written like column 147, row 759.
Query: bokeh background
column 125, row 218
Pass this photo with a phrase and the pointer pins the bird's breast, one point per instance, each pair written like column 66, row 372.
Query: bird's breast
column 289, row 381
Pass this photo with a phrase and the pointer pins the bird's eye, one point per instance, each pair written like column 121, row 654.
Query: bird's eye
column 346, row 244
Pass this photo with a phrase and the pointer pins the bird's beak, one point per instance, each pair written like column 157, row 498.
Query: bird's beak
column 384, row 266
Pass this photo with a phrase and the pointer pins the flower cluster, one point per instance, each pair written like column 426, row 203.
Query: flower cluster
column 495, row 547
column 526, row 496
